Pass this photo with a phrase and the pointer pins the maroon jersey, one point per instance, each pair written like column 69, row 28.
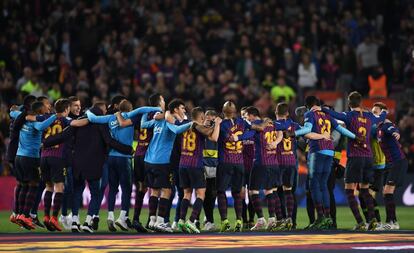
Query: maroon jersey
column 144, row 138
column 285, row 149
column 231, row 152
column 360, row 124
column 248, row 154
column 192, row 146
column 390, row 146
column 56, row 127
column 321, row 123
column 265, row 157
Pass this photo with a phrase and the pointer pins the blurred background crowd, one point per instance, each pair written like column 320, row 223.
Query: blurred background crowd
column 207, row 51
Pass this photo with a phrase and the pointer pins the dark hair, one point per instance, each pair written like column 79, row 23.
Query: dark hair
column 37, row 106
column 28, row 101
column 300, row 111
column 251, row 110
column 174, row 104
column 311, row 101
column 244, row 108
column 282, row 109
column 117, row 99
column 381, row 105
column 125, row 106
column 154, row 99
column 73, row 99
column 41, row 98
column 61, row 105
column 196, row 111
column 354, row 99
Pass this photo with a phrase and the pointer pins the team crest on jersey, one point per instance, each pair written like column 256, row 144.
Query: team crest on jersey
column 157, row 130
column 114, row 123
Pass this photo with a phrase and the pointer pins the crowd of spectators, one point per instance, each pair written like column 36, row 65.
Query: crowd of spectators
column 206, row 51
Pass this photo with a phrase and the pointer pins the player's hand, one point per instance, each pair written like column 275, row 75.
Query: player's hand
column 268, row 121
column 14, row 108
column 360, row 139
column 288, row 134
column 326, row 136
column 159, row 116
column 397, row 136
column 217, row 120
column 271, row 146
column 235, row 137
column 169, row 117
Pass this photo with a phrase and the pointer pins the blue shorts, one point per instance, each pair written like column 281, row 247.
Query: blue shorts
column 319, row 163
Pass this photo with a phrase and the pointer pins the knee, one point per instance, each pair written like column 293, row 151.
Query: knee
column 201, row 193
column 166, row 193
column 49, row 186
column 253, row 192
column 388, row 189
column 187, row 194
column 155, row 192
column 350, row 186
column 267, row 192
column 59, row 187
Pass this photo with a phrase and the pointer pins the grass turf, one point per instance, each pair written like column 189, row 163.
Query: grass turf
column 345, row 219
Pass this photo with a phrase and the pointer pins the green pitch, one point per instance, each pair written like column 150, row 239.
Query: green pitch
column 345, row 219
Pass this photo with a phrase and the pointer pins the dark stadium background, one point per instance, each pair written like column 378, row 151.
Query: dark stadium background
column 206, row 52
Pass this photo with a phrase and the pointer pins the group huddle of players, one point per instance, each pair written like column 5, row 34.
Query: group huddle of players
column 208, row 153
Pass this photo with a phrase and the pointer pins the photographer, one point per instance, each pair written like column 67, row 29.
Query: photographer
column 210, row 161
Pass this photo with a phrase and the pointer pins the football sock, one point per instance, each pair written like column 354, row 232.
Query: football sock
column 270, row 205
column 152, row 206
column 222, row 204
column 257, row 205
column 198, row 204
column 184, row 207
column 47, row 202
column 353, row 204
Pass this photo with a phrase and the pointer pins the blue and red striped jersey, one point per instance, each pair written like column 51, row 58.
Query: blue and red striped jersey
column 287, row 148
column 192, row 146
column 265, row 157
column 321, row 123
column 389, row 145
column 360, row 123
column 56, row 127
column 231, row 152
